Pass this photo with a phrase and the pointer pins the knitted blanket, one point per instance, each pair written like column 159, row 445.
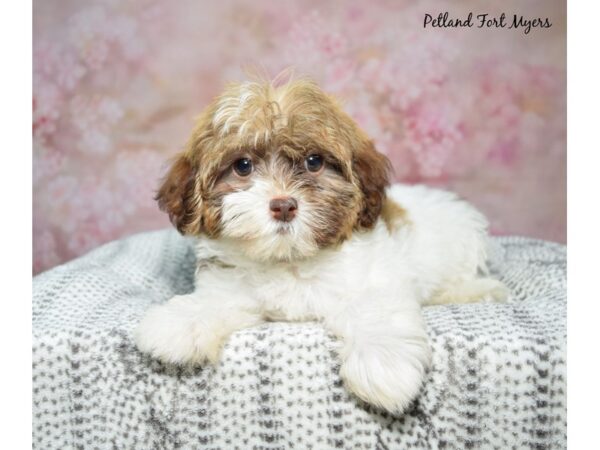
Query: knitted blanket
column 498, row 379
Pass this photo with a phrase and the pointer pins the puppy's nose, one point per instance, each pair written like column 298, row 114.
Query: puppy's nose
column 283, row 208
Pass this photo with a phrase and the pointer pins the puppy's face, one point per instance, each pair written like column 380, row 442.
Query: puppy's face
column 280, row 171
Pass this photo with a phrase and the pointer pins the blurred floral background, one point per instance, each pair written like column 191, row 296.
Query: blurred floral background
column 117, row 83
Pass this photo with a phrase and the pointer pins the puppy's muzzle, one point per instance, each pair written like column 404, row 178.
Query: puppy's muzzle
column 283, row 208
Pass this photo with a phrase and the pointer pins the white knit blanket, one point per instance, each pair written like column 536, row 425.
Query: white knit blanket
column 498, row 379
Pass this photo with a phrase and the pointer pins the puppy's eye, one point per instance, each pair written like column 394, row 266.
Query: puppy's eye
column 243, row 167
column 313, row 163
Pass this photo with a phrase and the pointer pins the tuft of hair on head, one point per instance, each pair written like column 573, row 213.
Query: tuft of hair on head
column 259, row 74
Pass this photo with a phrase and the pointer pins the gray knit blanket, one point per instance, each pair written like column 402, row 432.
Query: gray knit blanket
column 498, row 379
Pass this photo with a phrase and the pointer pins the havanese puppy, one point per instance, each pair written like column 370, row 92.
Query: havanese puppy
column 295, row 220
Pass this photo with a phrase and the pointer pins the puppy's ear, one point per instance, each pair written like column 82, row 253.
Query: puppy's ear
column 372, row 169
column 177, row 196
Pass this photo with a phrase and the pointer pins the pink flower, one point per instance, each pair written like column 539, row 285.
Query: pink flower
column 85, row 238
column 69, row 72
column 433, row 133
column 137, row 175
column 47, row 162
column 94, row 118
column 504, row 152
column 313, row 40
column 47, row 105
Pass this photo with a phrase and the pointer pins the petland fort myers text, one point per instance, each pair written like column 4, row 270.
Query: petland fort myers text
column 516, row 22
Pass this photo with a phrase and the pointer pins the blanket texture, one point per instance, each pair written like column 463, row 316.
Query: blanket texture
column 498, row 379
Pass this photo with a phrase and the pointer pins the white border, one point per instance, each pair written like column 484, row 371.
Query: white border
column 583, row 230
column 15, row 208
column 583, row 176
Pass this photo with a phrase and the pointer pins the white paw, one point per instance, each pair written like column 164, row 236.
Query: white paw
column 178, row 332
column 389, row 377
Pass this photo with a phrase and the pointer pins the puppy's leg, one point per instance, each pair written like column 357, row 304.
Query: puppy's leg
column 192, row 328
column 470, row 290
column 385, row 351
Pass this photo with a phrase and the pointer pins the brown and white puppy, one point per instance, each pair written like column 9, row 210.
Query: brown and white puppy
column 294, row 219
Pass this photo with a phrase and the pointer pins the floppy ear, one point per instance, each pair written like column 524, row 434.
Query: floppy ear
column 177, row 196
column 372, row 169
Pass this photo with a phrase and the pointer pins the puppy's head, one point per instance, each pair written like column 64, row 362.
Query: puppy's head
column 281, row 172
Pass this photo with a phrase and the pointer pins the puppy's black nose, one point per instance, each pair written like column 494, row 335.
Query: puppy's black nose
column 283, row 208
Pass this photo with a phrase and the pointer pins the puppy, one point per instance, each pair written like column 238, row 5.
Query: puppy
column 294, row 220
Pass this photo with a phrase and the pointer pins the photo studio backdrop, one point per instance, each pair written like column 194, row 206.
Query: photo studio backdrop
column 117, row 83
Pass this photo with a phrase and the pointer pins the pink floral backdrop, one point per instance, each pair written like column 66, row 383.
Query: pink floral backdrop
column 116, row 85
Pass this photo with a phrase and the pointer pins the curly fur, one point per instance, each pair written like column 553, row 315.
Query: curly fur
column 359, row 256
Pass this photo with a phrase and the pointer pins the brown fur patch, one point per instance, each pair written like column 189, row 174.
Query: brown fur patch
column 177, row 195
column 337, row 202
column 372, row 169
column 393, row 215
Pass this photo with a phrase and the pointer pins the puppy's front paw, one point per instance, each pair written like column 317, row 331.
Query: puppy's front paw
column 388, row 376
column 176, row 332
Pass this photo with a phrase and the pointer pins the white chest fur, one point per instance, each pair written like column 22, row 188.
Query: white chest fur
column 367, row 292
column 440, row 240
